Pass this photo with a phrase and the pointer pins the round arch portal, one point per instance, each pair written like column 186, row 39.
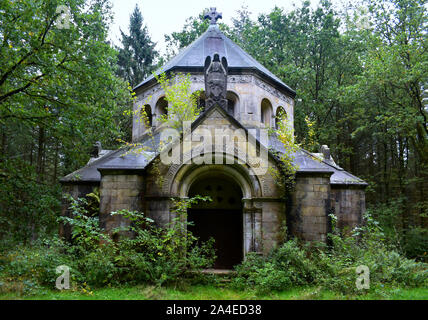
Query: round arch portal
column 181, row 182
column 220, row 219
column 249, row 185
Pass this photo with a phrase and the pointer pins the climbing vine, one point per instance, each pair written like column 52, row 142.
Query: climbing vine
column 284, row 177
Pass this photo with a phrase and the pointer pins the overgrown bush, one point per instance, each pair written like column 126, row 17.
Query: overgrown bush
column 332, row 267
column 160, row 255
column 148, row 253
column 145, row 253
column 27, row 268
column 286, row 266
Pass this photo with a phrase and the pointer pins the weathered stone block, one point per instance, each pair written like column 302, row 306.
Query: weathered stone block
column 312, row 211
column 304, row 187
column 321, row 188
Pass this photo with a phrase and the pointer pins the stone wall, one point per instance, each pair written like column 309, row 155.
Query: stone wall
column 119, row 191
column 310, row 205
column 349, row 204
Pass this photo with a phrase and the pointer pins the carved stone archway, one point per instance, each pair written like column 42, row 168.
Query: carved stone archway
column 250, row 187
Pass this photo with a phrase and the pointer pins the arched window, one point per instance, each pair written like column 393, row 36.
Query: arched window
column 266, row 112
column 147, row 117
column 161, row 108
column 232, row 103
column 280, row 115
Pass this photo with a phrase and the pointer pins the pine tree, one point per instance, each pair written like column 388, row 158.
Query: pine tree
column 137, row 55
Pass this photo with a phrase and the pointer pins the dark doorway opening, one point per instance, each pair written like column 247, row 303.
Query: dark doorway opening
column 220, row 219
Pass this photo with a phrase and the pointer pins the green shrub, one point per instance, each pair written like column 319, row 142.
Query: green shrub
column 370, row 247
column 332, row 267
column 162, row 254
column 37, row 263
column 146, row 254
column 285, row 266
column 399, row 229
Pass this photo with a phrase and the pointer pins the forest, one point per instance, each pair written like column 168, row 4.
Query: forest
column 360, row 72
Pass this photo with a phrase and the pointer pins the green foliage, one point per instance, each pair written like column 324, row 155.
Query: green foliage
column 51, row 106
column 36, row 263
column 285, row 267
column 182, row 102
column 143, row 252
column 51, row 73
column 333, row 267
column 86, row 231
column 416, row 243
column 368, row 246
column 163, row 255
column 409, row 238
column 28, row 209
column 285, row 134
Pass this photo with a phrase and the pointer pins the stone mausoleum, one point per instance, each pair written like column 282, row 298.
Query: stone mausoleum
column 239, row 98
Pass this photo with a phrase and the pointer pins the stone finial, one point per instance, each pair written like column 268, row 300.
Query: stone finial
column 215, row 74
column 96, row 149
column 325, row 150
column 213, row 15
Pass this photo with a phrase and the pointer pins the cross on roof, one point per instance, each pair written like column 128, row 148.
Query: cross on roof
column 213, row 15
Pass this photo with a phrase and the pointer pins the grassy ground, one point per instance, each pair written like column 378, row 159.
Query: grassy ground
column 207, row 292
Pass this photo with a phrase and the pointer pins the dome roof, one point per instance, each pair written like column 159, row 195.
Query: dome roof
column 192, row 58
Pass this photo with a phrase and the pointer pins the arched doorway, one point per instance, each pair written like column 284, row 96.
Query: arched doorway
column 220, row 219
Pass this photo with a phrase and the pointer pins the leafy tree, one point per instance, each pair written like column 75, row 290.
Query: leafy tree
column 392, row 120
column 193, row 28
column 58, row 94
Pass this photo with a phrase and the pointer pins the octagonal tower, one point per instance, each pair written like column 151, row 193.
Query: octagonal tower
column 255, row 95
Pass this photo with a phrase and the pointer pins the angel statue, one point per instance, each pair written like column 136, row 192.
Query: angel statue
column 215, row 73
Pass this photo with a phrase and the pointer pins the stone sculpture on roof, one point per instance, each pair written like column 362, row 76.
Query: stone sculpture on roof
column 215, row 74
